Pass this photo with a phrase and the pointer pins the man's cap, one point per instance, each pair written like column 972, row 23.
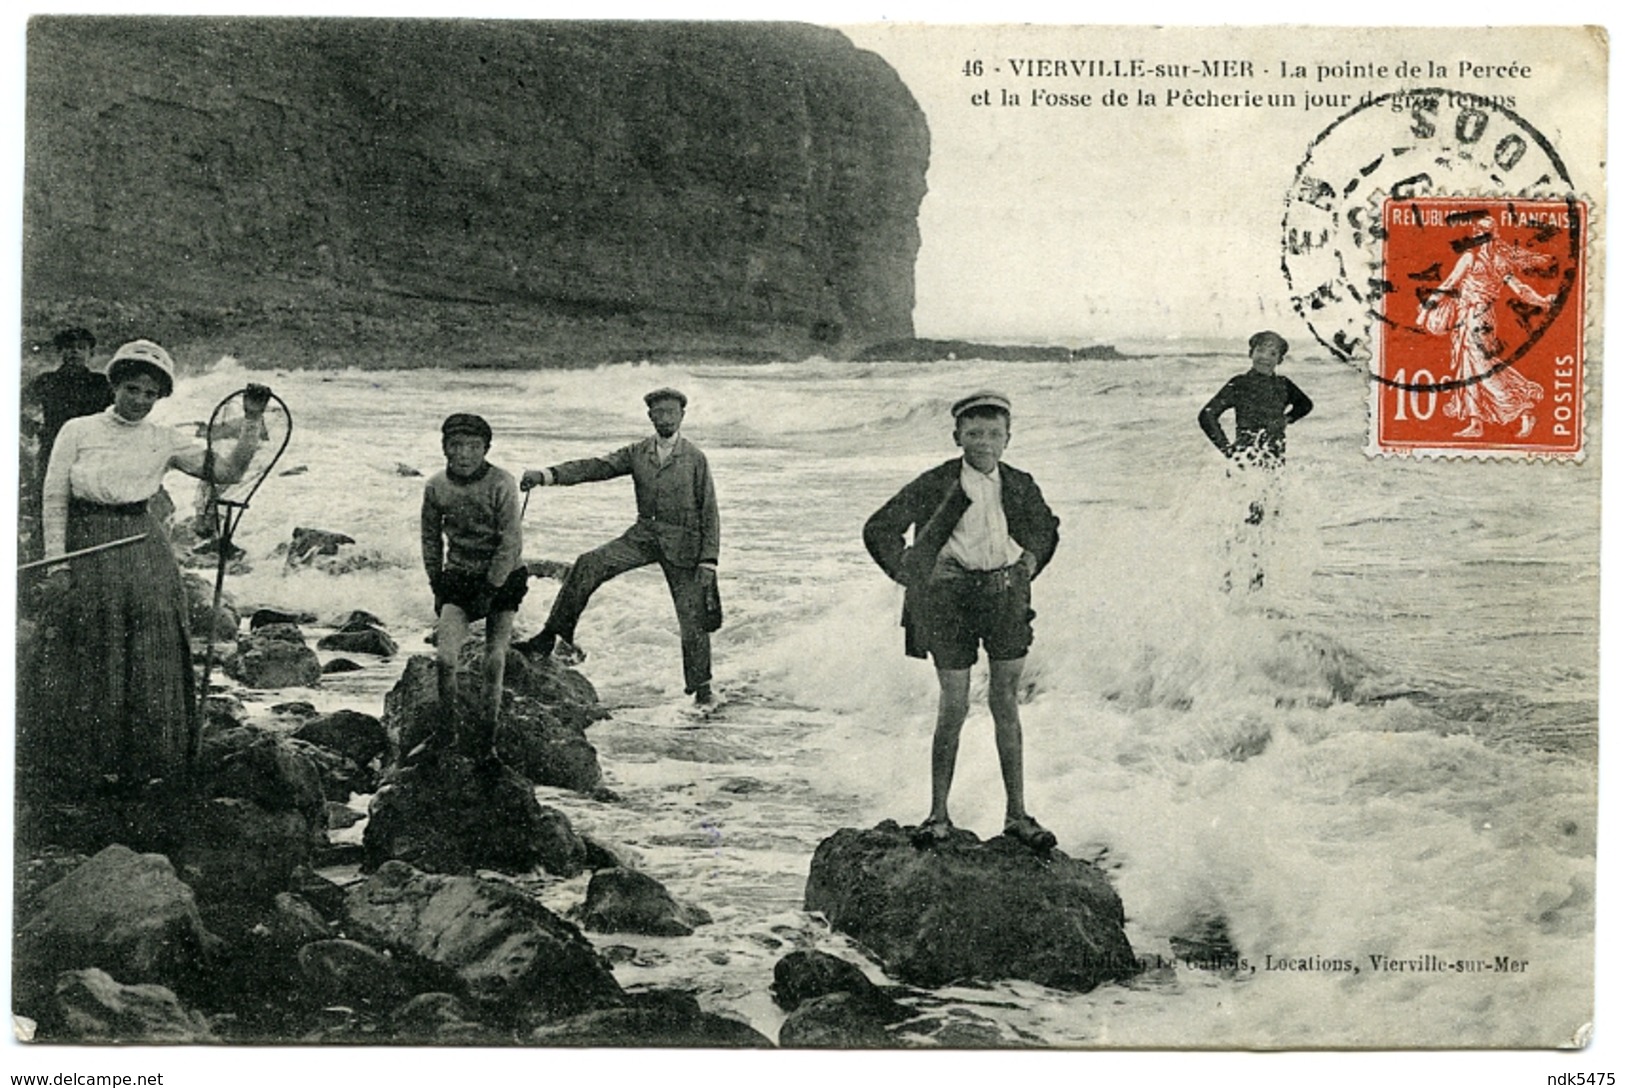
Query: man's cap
column 140, row 355
column 466, row 423
column 665, row 392
column 68, row 338
column 986, row 398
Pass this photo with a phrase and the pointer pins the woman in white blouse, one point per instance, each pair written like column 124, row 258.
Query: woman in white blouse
column 111, row 700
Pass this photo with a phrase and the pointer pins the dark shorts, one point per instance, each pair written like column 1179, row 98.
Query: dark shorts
column 463, row 589
column 968, row 609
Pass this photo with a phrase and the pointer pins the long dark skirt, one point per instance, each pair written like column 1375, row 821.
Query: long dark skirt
column 108, row 695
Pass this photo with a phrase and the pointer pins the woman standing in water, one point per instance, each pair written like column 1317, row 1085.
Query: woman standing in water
column 110, row 700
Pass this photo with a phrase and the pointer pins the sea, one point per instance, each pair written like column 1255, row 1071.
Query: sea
column 1355, row 807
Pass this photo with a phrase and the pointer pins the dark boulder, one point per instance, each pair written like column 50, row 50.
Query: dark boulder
column 345, row 972
column 307, row 544
column 446, row 814
column 358, row 618
column 89, row 1005
column 841, row 1021
column 663, row 1018
column 266, row 617
column 489, row 943
column 354, row 735
column 292, row 922
column 600, row 855
column 340, row 664
column 565, row 691
column 270, row 658
column 199, row 602
column 364, row 639
column 967, row 909
column 341, row 777
column 238, row 855
column 436, row 1018
column 531, row 737
column 273, row 770
column 126, row 913
column 627, row 901
column 804, row 976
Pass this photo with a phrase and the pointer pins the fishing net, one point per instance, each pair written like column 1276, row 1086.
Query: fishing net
column 225, row 494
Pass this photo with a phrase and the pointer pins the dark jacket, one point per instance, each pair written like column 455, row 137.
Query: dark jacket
column 932, row 505
column 677, row 498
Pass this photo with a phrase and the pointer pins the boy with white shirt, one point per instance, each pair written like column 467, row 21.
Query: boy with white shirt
column 982, row 532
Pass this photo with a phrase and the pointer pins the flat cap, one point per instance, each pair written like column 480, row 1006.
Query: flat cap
column 665, row 393
column 466, row 423
column 984, row 398
column 72, row 337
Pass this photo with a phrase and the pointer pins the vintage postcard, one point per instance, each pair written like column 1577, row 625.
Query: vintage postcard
column 810, row 535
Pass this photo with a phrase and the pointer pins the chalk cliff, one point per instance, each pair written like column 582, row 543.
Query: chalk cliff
column 501, row 193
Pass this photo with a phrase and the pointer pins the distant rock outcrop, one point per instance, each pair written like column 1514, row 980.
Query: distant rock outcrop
column 468, row 192
column 965, row 909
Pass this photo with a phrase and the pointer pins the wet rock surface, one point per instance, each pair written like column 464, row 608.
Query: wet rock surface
column 967, row 909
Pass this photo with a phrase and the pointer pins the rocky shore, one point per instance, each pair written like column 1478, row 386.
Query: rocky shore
column 242, row 907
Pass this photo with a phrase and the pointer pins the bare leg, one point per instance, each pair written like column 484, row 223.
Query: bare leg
column 498, row 632
column 1004, row 684
column 952, row 704
column 450, row 634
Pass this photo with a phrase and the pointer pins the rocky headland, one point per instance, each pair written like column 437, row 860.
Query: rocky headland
column 347, row 192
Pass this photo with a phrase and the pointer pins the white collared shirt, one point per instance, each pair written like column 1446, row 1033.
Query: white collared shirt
column 981, row 540
column 664, row 447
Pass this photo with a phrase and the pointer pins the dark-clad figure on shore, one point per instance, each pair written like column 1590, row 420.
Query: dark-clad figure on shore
column 677, row 527
column 68, row 392
column 1264, row 403
column 982, row 533
column 50, row 400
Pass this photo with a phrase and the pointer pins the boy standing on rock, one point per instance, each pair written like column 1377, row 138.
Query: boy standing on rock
column 982, row 532
column 471, row 548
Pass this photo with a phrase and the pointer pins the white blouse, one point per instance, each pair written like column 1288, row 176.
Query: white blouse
column 106, row 458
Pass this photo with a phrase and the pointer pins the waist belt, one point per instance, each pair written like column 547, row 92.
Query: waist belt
column 949, row 570
column 86, row 507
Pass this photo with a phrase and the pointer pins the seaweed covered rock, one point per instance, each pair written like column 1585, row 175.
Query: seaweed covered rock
column 532, row 736
column 484, row 942
column 128, row 914
column 627, row 901
column 447, row 814
column 663, row 1018
column 968, row 909
column 91, row 1006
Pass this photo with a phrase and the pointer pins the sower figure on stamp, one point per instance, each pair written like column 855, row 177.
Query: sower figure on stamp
column 471, row 547
column 1463, row 308
column 1264, row 403
column 677, row 527
column 982, row 532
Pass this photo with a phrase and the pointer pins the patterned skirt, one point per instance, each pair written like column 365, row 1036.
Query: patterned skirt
column 108, row 697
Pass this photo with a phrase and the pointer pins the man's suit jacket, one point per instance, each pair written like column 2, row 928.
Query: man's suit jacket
column 676, row 498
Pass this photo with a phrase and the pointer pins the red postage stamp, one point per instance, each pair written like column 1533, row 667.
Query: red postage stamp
column 1480, row 342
